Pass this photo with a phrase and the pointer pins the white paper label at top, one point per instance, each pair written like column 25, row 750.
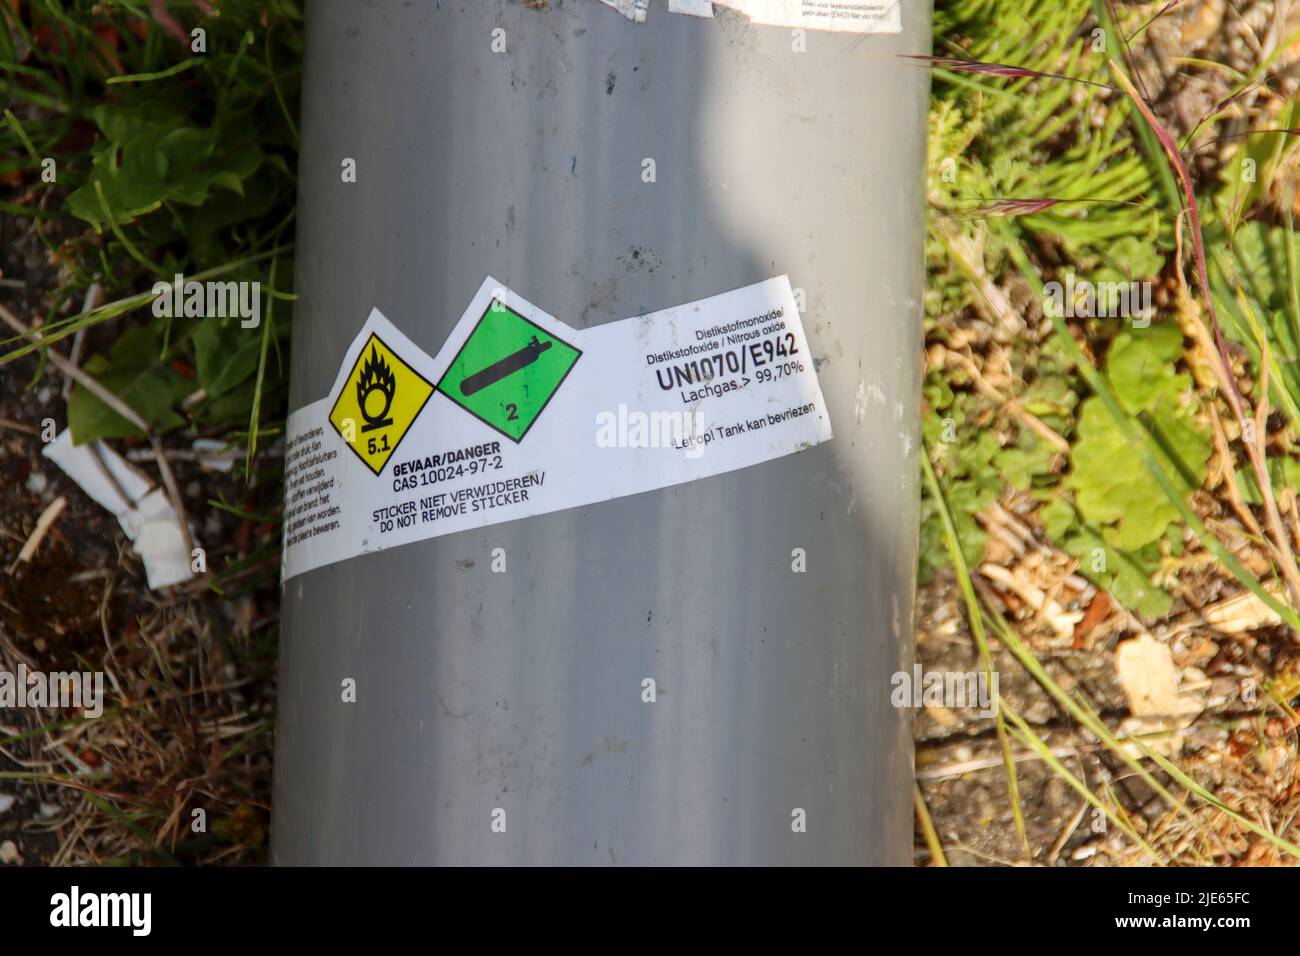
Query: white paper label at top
column 844, row 16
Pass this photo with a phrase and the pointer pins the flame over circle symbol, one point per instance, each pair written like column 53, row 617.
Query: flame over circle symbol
column 375, row 376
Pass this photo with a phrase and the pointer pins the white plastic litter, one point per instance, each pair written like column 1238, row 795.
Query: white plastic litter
column 215, row 455
column 147, row 516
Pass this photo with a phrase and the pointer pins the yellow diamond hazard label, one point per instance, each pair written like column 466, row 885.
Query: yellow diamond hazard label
column 380, row 399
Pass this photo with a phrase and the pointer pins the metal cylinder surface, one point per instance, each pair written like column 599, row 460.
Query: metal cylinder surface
column 521, row 691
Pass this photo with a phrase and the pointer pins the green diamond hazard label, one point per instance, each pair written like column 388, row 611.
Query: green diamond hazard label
column 507, row 371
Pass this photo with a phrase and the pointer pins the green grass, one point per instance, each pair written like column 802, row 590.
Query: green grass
column 1051, row 163
column 167, row 161
column 131, row 156
column 1138, row 448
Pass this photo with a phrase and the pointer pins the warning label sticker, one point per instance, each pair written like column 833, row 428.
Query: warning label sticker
column 841, row 16
column 507, row 370
column 380, row 401
column 847, row 16
column 530, row 416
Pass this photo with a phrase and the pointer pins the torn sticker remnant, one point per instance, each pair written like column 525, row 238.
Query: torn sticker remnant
column 695, row 8
column 632, row 9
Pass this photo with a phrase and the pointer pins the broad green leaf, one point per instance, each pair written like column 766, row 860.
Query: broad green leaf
column 1113, row 488
column 1031, row 458
column 1128, row 581
column 134, row 374
column 155, row 165
column 225, row 354
column 1142, row 366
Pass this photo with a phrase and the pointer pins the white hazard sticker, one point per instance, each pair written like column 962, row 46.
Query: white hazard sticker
column 844, row 16
column 520, row 415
